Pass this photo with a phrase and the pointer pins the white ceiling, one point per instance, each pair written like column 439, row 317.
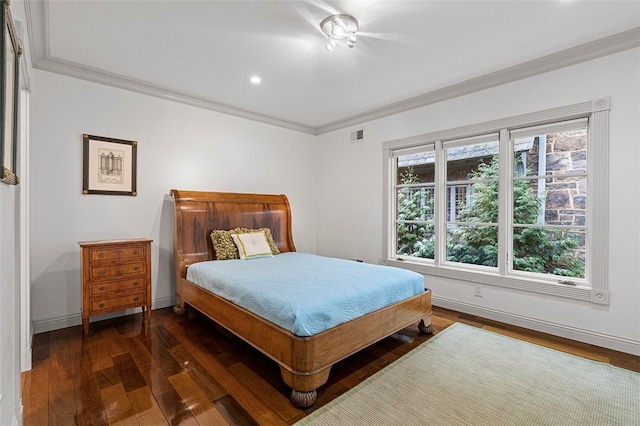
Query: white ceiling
column 409, row 53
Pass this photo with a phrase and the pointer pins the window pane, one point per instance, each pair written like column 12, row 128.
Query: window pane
column 416, row 168
column 473, row 203
column 554, row 154
column 458, row 198
column 549, row 251
column 554, row 201
column 473, row 244
column 415, row 203
column 472, row 170
column 416, row 239
column 464, row 162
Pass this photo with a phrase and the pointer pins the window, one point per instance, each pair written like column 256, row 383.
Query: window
column 548, row 218
column 472, row 232
column 519, row 202
column 415, row 213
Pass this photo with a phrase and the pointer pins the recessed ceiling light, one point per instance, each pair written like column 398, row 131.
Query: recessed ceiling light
column 256, row 80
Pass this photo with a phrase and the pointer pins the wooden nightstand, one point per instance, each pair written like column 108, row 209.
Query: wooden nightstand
column 116, row 275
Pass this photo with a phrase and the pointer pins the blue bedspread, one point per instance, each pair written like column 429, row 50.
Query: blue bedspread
column 305, row 293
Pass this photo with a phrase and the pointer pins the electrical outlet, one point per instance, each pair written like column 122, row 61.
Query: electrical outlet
column 478, row 290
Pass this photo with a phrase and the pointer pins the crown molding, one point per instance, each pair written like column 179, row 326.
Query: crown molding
column 37, row 26
column 605, row 46
column 37, row 13
column 83, row 72
column 38, row 30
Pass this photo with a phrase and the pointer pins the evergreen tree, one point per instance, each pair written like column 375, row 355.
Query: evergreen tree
column 477, row 244
column 414, row 203
column 541, row 250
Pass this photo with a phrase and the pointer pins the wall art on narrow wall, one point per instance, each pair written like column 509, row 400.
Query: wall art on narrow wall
column 109, row 166
column 10, row 51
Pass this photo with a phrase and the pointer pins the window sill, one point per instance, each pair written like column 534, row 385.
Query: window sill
column 555, row 289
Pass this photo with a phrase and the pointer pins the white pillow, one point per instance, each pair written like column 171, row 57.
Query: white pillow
column 252, row 244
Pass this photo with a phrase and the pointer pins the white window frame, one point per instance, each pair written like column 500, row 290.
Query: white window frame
column 596, row 288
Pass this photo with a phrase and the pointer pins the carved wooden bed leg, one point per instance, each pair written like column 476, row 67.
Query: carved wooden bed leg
column 304, row 385
column 179, row 308
column 425, row 329
column 303, row 399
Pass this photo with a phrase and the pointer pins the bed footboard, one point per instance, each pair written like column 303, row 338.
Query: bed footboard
column 305, row 362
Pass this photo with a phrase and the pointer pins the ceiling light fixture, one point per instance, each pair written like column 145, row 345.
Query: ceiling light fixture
column 339, row 27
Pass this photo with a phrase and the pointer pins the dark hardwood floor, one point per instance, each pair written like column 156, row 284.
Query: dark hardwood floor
column 185, row 370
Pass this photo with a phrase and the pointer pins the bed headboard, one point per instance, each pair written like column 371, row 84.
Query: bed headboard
column 197, row 213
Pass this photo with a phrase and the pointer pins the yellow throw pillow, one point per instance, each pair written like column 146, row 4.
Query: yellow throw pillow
column 223, row 245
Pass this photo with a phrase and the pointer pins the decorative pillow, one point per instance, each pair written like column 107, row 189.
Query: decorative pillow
column 226, row 249
column 252, row 245
column 223, row 245
column 267, row 233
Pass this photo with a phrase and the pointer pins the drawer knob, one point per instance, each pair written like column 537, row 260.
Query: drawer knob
column 135, row 283
column 136, row 267
column 101, row 255
column 136, row 251
column 135, row 299
column 101, row 288
column 101, row 305
column 101, row 271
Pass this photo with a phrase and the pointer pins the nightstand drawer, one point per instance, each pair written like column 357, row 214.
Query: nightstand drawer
column 116, row 253
column 117, row 303
column 123, row 285
column 111, row 271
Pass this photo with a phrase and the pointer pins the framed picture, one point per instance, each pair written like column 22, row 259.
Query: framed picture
column 10, row 51
column 109, row 166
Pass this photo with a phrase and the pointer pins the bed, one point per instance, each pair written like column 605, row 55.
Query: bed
column 305, row 361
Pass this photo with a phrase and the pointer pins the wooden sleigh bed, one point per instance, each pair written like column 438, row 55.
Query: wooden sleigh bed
column 305, row 362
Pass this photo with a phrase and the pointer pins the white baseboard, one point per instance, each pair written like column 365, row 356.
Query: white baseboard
column 16, row 419
column 42, row 326
column 611, row 342
column 585, row 336
column 25, row 364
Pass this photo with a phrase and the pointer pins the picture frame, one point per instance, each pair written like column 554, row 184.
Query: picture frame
column 109, row 166
column 10, row 51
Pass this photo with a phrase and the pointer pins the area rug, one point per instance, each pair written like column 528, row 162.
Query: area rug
column 468, row 376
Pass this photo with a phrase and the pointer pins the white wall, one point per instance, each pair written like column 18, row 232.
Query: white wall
column 179, row 147
column 351, row 178
column 10, row 405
